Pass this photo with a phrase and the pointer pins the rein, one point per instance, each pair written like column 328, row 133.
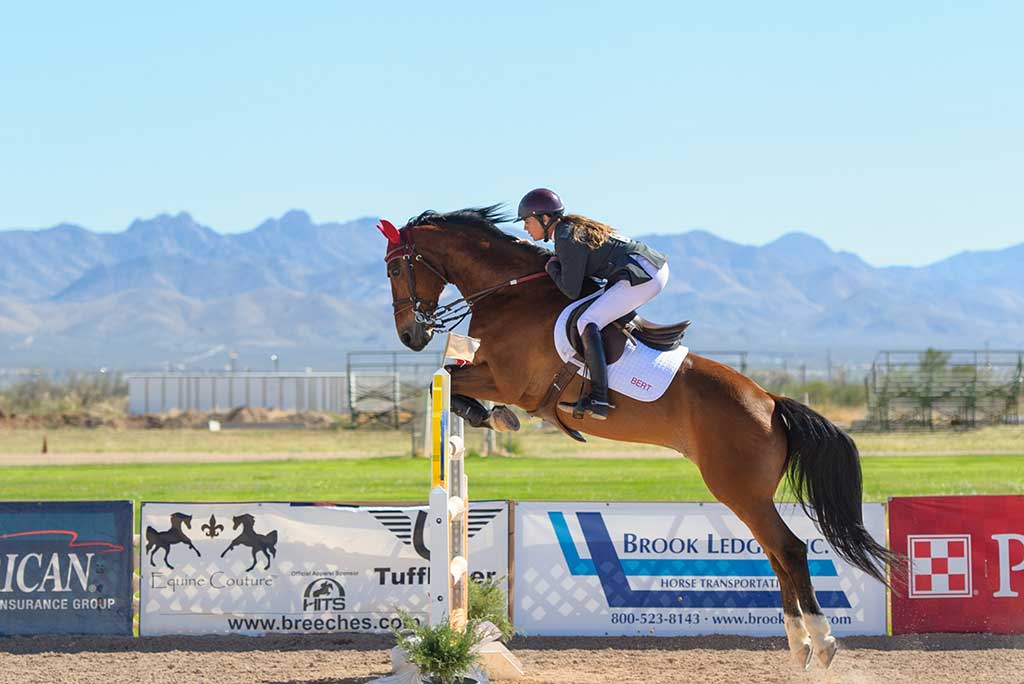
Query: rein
column 453, row 313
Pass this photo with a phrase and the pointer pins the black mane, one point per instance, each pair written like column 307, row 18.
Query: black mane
column 480, row 218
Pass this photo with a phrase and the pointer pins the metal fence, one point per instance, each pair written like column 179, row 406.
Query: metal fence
column 945, row 388
column 286, row 391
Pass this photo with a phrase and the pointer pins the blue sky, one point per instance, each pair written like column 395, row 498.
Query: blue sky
column 892, row 130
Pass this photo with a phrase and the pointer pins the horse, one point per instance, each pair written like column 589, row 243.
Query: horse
column 743, row 439
column 265, row 543
column 164, row 540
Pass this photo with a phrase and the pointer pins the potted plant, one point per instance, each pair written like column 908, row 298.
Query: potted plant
column 443, row 655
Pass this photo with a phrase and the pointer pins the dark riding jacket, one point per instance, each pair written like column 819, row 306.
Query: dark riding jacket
column 613, row 261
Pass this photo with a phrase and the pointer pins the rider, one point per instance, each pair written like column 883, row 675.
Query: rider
column 634, row 273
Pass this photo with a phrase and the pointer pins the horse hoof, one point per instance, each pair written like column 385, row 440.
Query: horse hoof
column 828, row 654
column 802, row 655
column 503, row 419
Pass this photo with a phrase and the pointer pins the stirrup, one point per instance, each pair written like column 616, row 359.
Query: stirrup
column 586, row 406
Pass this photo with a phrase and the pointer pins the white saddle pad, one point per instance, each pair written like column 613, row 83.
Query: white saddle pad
column 641, row 373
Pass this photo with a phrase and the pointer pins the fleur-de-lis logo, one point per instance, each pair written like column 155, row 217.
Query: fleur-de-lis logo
column 212, row 529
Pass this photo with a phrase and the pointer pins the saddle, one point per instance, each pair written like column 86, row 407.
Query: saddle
column 614, row 336
column 632, row 327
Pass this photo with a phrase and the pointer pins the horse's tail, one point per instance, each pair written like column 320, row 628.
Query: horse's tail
column 272, row 539
column 151, row 534
column 823, row 471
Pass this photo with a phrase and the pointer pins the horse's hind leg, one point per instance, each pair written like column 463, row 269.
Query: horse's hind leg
column 825, row 644
column 788, row 555
column 791, row 553
column 796, row 634
column 167, row 551
column 253, row 560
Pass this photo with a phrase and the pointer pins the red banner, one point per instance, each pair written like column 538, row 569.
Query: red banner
column 966, row 564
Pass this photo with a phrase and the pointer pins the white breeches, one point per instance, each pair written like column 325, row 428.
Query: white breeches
column 621, row 298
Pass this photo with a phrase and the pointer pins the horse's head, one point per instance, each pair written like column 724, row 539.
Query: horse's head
column 182, row 518
column 465, row 248
column 416, row 284
column 244, row 519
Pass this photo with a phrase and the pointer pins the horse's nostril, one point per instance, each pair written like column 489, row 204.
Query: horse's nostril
column 406, row 339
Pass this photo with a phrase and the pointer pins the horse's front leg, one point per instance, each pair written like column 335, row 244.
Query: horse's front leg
column 476, row 381
column 194, row 549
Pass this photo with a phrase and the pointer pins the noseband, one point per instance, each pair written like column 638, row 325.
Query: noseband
column 438, row 318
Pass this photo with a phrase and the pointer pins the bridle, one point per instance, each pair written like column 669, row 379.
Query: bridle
column 446, row 317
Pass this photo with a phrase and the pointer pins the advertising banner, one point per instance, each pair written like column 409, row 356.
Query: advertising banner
column 66, row 567
column 255, row 568
column 965, row 560
column 673, row 569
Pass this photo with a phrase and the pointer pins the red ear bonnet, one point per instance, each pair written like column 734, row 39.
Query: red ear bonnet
column 390, row 232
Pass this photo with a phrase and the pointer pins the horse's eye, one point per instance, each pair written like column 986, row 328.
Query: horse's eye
column 394, row 269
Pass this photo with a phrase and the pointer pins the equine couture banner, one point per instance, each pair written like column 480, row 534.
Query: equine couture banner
column 966, row 564
column 255, row 568
column 673, row 569
column 66, row 567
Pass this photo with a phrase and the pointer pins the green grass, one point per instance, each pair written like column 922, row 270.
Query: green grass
column 529, row 442
column 405, row 479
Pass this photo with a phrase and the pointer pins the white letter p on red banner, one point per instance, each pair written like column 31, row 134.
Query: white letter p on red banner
column 1004, row 564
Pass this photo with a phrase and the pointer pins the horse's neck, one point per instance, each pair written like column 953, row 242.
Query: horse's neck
column 481, row 266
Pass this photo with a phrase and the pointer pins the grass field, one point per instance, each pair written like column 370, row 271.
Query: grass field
column 405, row 479
column 369, row 465
column 529, row 442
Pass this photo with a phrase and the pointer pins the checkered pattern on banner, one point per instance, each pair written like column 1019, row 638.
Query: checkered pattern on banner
column 940, row 565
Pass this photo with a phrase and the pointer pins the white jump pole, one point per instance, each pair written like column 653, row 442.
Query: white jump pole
column 449, row 510
column 449, row 528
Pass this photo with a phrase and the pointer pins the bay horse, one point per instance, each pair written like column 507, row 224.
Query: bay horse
column 743, row 439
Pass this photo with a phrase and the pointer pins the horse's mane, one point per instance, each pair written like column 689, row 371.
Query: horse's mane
column 483, row 219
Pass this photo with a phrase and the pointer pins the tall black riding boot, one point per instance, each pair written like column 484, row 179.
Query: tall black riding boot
column 596, row 403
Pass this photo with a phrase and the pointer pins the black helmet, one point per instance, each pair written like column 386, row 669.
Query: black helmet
column 540, row 201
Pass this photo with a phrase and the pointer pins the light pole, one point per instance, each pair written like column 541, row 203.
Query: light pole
column 273, row 357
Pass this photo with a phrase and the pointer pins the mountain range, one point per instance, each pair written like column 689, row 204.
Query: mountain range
column 169, row 291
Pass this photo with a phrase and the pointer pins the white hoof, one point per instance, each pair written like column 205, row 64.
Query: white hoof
column 503, row 419
column 802, row 654
column 828, row 653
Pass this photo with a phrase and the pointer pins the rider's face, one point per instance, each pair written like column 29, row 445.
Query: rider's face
column 533, row 227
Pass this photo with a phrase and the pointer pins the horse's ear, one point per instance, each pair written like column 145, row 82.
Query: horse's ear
column 389, row 231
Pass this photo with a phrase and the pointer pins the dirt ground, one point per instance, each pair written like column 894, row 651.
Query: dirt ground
column 354, row 659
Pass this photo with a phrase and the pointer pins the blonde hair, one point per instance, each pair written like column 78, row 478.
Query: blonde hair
column 588, row 231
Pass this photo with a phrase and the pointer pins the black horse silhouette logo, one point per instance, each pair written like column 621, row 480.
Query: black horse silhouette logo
column 265, row 543
column 165, row 540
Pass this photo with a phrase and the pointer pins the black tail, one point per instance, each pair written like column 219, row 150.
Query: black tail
column 823, row 471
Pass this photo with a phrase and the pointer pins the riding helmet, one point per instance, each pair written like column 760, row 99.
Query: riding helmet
column 540, row 201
